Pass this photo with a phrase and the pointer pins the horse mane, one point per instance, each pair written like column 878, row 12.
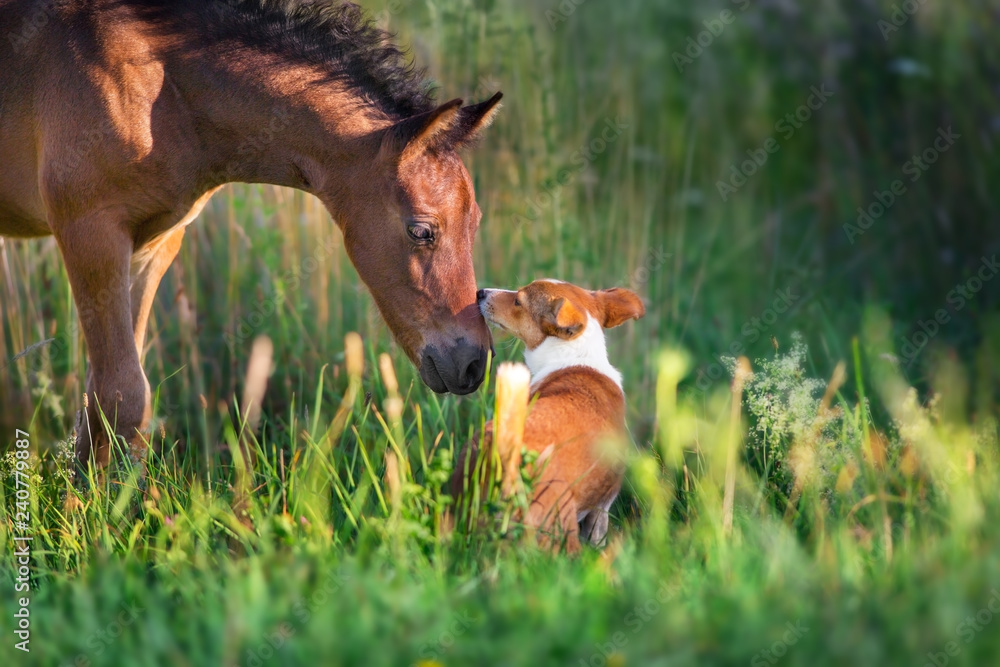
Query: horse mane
column 332, row 34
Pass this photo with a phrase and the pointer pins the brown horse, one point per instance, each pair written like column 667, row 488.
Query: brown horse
column 120, row 118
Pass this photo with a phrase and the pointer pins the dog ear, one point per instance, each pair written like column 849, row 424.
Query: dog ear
column 416, row 134
column 562, row 319
column 618, row 305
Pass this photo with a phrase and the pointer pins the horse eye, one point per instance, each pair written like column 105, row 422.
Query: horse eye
column 420, row 232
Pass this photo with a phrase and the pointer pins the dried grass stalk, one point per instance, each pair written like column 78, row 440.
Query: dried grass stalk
column 513, row 382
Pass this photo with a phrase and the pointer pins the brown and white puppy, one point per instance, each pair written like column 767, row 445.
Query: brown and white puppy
column 578, row 417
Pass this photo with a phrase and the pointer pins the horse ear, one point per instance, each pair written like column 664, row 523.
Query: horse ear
column 473, row 119
column 416, row 134
column 561, row 319
column 619, row 305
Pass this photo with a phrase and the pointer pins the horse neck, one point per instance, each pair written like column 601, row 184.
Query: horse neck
column 283, row 124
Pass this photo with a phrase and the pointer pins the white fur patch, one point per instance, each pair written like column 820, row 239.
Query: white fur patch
column 588, row 349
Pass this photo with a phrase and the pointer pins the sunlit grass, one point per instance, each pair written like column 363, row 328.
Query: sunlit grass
column 913, row 524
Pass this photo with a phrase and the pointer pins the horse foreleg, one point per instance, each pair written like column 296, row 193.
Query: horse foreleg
column 148, row 268
column 149, row 264
column 97, row 252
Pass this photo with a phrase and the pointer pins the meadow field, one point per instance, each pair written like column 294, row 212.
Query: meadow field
column 808, row 185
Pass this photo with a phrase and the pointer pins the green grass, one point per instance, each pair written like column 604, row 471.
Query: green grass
column 870, row 527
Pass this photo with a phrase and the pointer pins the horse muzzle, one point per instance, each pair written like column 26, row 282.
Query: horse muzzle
column 458, row 369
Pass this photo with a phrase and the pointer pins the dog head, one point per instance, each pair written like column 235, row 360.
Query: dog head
column 551, row 308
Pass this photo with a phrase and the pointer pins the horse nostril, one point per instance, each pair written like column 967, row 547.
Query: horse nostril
column 480, row 295
column 472, row 377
